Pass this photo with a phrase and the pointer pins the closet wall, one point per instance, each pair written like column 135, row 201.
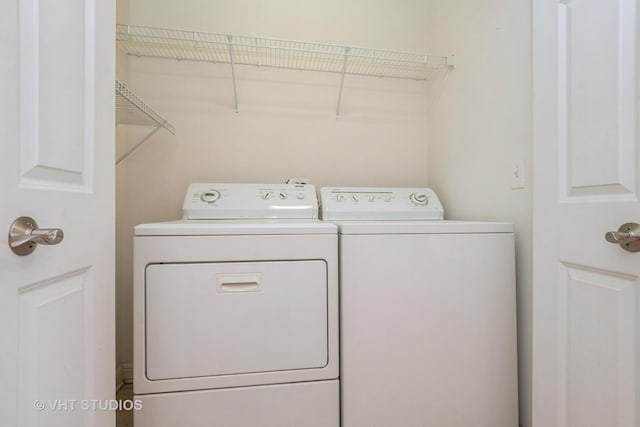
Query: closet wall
column 459, row 133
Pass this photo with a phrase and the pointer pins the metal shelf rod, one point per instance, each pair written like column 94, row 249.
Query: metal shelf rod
column 233, row 73
column 425, row 61
column 344, row 68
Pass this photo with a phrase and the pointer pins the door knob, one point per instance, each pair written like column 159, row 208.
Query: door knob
column 24, row 236
column 627, row 236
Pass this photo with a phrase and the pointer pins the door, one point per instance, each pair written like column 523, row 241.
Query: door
column 586, row 292
column 236, row 318
column 57, row 166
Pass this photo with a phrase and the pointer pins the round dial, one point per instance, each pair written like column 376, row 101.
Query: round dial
column 419, row 199
column 267, row 194
column 210, row 196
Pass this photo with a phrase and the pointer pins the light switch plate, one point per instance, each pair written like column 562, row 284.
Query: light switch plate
column 517, row 174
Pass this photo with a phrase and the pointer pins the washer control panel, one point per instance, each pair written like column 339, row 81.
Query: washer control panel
column 245, row 201
column 363, row 203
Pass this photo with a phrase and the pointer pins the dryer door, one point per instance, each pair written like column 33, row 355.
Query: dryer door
column 211, row 319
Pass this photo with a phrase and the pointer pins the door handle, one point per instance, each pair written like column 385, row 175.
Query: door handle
column 24, row 236
column 627, row 236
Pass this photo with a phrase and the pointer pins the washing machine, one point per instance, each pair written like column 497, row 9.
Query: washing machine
column 428, row 318
column 236, row 311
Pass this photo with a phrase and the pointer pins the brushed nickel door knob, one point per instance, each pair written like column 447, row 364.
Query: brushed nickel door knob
column 25, row 236
column 627, row 236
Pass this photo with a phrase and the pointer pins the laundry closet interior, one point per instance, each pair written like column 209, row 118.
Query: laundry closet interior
column 459, row 126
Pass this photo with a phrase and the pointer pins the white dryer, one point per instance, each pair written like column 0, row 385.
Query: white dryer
column 428, row 319
column 236, row 311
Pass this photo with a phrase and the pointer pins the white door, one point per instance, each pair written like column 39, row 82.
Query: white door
column 586, row 296
column 57, row 166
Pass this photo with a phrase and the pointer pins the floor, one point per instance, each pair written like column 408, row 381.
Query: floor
column 125, row 418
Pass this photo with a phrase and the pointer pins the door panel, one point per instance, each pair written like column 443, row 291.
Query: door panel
column 597, row 108
column 54, row 330
column 597, row 330
column 56, row 95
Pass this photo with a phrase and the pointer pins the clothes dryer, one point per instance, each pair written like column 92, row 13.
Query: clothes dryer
column 236, row 311
column 428, row 320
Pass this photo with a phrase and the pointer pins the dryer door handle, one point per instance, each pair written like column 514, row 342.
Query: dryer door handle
column 239, row 283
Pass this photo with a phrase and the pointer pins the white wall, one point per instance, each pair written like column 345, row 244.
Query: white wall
column 479, row 123
column 286, row 126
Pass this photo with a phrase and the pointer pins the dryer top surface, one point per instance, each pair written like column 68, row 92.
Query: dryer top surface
column 235, row 227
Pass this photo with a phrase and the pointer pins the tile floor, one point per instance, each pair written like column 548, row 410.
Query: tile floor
column 124, row 418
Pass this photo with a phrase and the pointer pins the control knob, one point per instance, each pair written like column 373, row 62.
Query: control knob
column 419, row 199
column 210, row 196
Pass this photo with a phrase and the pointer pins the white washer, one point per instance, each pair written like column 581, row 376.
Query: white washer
column 428, row 320
column 236, row 311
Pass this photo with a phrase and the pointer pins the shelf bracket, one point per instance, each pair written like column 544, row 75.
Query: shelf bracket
column 451, row 61
column 344, row 70
column 233, row 72
column 135, row 147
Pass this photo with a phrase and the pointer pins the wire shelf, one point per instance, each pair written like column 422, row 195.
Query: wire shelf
column 132, row 110
column 275, row 53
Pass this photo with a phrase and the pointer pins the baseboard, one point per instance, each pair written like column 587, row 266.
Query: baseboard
column 124, row 375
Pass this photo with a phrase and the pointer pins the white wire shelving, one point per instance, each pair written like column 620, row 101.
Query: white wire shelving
column 130, row 109
column 276, row 53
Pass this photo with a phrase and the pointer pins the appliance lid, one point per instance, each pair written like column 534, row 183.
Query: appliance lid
column 423, row 227
column 379, row 204
column 250, row 201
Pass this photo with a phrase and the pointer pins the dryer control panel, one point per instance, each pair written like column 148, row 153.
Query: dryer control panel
column 246, row 201
column 380, row 204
